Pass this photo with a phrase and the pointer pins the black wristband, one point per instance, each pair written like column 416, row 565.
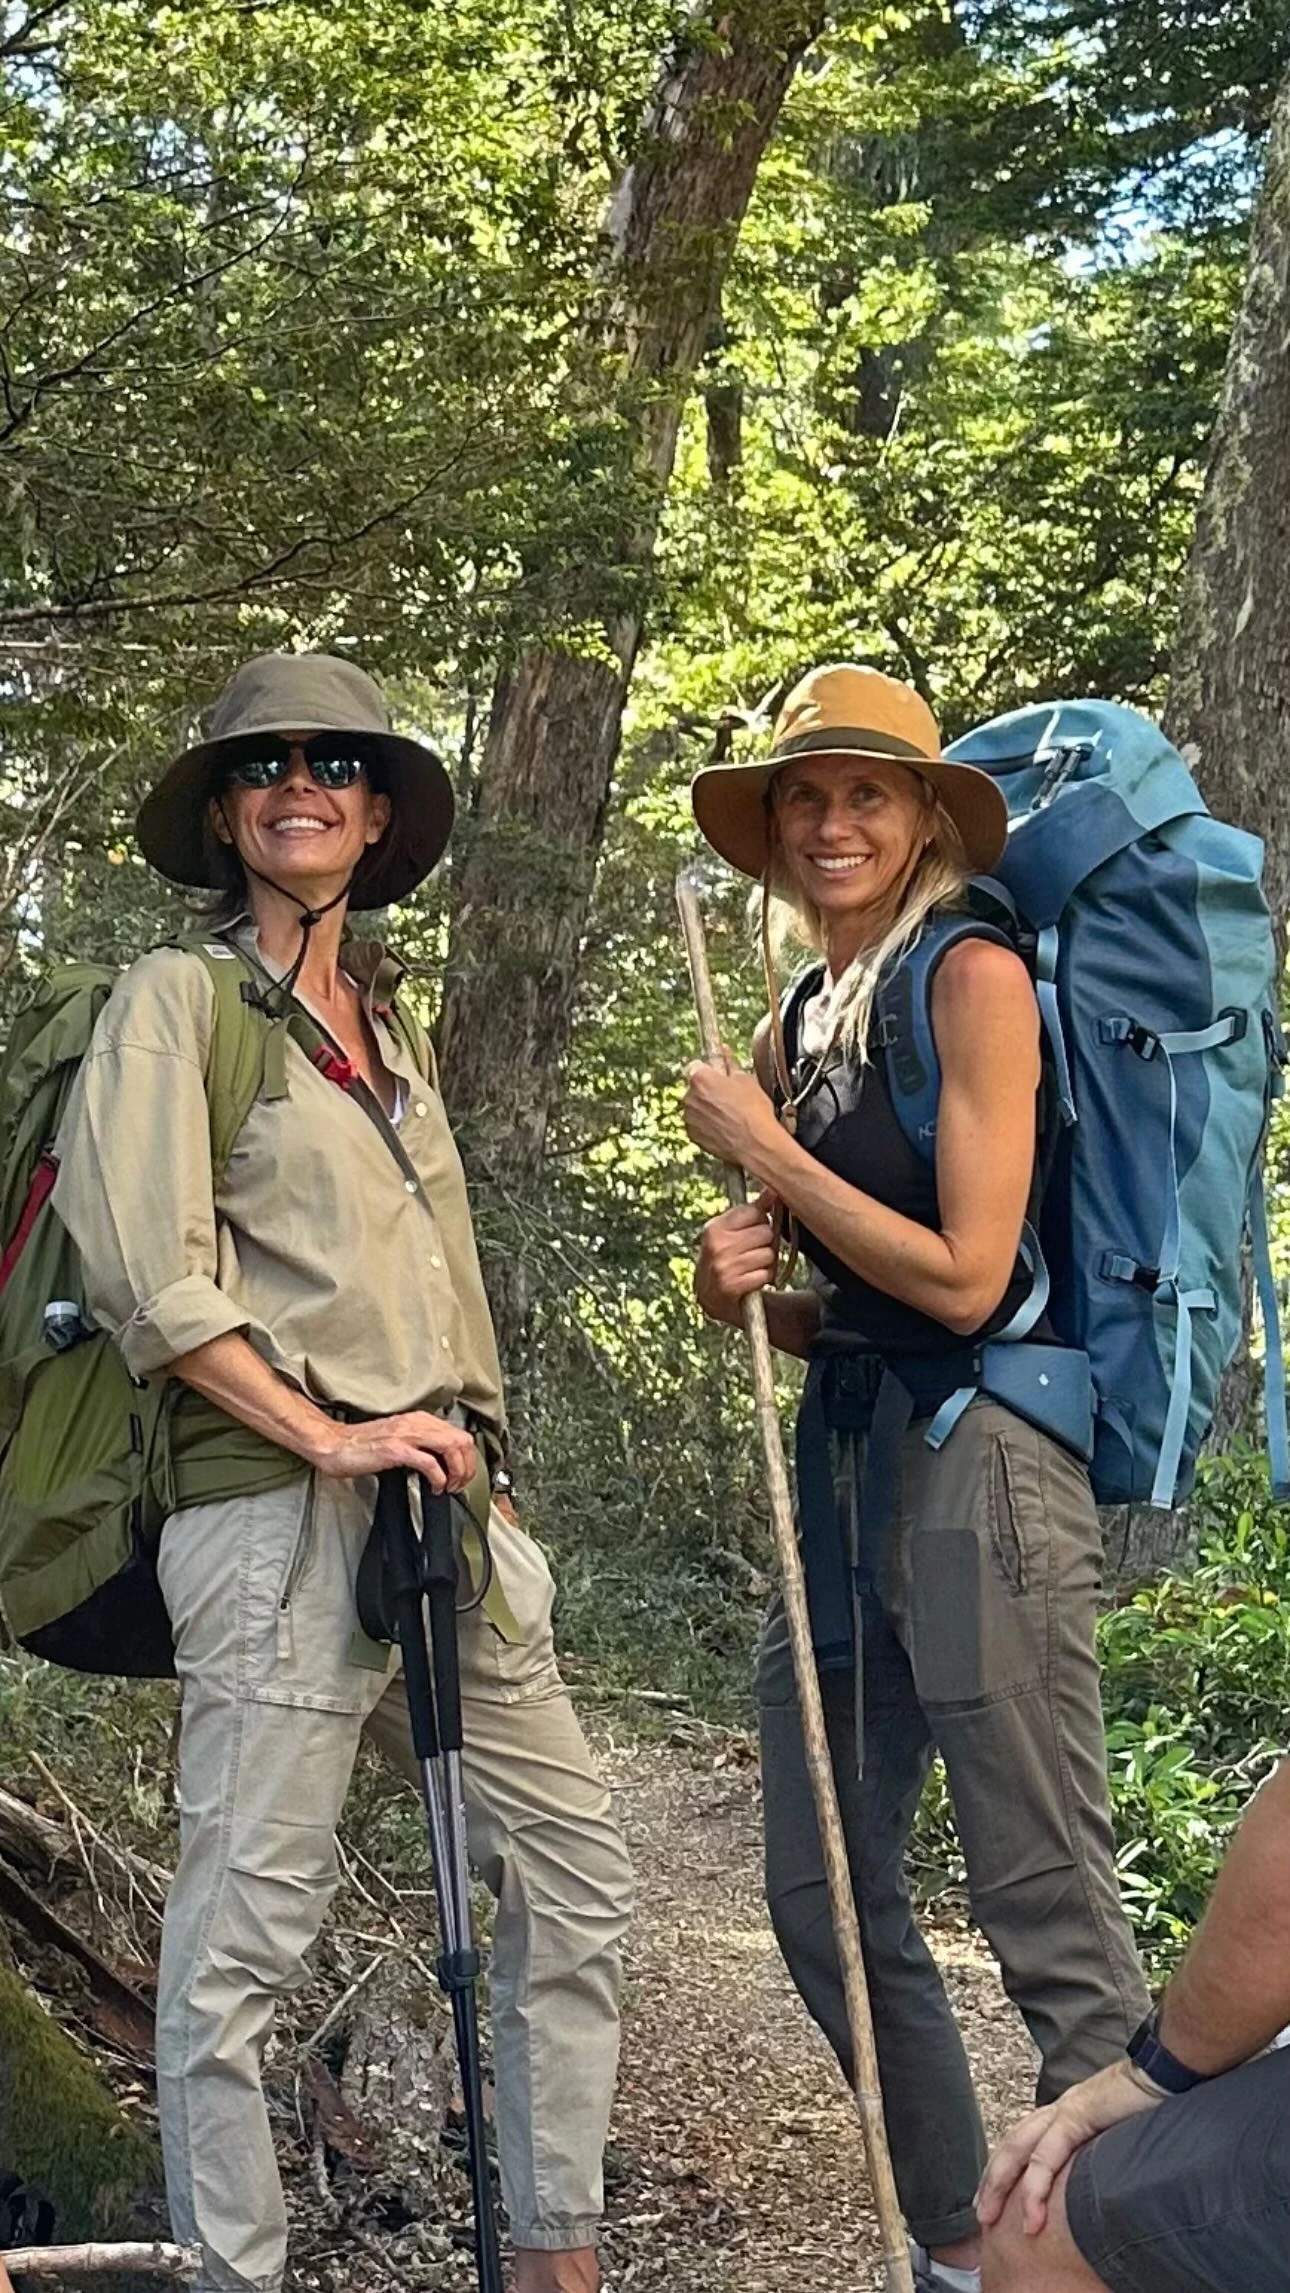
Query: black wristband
column 1149, row 2054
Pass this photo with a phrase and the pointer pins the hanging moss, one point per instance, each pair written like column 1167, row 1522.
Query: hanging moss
column 61, row 2127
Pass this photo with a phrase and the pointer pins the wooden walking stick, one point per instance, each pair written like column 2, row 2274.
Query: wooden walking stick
column 899, row 2276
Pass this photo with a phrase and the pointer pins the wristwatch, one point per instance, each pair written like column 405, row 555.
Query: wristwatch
column 1149, row 2055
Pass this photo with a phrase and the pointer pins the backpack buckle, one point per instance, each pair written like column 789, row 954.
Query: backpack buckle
column 334, row 1068
column 1131, row 1032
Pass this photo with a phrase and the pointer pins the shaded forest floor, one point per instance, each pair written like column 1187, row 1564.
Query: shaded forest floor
column 735, row 2162
column 738, row 2147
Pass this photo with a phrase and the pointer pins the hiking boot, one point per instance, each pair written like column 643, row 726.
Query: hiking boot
column 937, row 2276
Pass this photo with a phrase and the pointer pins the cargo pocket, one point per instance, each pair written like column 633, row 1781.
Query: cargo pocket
column 1005, row 1533
column 977, row 1543
column 298, row 1617
column 514, row 1670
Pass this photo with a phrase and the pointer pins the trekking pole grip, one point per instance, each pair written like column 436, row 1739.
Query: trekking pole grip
column 439, row 1555
column 846, row 1925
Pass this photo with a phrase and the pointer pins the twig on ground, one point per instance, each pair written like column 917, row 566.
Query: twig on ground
column 181, row 2263
column 78, row 1822
column 334, row 2013
column 152, row 1880
column 349, row 1859
column 131, row 2018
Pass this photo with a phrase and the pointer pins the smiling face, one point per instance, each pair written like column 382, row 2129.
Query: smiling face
column 850, row 830
column 298, row 833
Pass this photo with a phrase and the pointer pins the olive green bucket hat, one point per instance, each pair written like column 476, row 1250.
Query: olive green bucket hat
column 304, row 693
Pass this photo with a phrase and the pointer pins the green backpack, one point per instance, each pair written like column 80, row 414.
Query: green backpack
column 91, row 1459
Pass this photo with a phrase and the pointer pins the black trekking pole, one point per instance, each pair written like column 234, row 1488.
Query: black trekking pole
column 419, row 1570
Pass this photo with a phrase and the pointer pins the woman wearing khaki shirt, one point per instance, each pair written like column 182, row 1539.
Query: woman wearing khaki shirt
column 328, row 1298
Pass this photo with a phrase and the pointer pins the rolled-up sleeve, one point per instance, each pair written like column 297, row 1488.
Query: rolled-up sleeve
column 134, row 1185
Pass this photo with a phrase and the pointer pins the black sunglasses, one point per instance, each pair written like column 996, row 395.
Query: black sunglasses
column 261, row 760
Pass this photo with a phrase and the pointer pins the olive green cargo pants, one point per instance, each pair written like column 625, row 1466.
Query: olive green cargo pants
column 978, row 1638
column 261, row 1594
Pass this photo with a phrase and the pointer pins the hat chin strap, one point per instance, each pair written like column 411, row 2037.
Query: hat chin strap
column 308, row 916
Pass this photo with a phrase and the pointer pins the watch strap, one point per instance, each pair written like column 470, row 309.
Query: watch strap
column 1152, row 2059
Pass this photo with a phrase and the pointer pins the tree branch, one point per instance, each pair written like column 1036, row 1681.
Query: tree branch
column 180, row 2263
column 18, row 42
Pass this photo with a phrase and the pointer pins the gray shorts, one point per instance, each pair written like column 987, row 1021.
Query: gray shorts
column 1193, row 2197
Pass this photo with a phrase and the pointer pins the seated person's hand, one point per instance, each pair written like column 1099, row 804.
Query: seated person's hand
column 1037, row 2150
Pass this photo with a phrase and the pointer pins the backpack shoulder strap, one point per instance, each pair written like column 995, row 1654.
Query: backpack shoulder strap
column 903, row 1009
column 247, row 1057
column 416, row 1041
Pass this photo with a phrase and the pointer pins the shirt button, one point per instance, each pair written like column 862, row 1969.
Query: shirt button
column 444, row 1343
column 436, row 1262
column 409, row 1186
column 421, row 1108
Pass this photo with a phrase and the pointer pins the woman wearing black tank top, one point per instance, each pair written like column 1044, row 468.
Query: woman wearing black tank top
column 953, row 1587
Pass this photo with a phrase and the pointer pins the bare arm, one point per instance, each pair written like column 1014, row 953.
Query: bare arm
column 987, row 1034
column 1227, row 2002
column 229, row 1371
column 1231, row 1995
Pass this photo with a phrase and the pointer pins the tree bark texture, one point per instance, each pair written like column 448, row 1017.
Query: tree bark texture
column 1229, row 695
column 527, row 855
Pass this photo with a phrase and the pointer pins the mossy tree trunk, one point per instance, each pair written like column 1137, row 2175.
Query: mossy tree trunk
column 61, row 2127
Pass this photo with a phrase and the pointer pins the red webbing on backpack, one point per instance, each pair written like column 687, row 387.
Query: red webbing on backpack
column 336, row 1069
column 42, row 1186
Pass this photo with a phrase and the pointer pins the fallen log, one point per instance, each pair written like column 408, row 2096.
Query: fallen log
column 125, row 2016
column 180, row 2263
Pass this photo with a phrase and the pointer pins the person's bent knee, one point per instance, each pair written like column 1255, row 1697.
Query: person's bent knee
column 1014, row 2262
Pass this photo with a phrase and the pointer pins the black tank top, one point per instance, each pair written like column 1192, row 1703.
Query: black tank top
column 849, row 1124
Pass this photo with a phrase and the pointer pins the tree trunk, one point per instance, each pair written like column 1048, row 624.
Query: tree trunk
column 526, row 863
column 1229, row 695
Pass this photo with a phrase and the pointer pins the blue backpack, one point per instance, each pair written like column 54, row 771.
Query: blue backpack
column 1151, row 948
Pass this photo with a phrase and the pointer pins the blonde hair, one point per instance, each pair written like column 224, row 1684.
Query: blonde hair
column 788, row 921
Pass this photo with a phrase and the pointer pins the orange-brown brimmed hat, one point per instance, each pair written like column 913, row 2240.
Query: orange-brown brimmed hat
column 843, row 710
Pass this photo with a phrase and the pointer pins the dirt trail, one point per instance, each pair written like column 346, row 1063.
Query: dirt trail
column 737, row 2163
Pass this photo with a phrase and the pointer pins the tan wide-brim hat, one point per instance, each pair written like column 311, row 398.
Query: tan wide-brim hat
column 842, row 710
column 304, row 693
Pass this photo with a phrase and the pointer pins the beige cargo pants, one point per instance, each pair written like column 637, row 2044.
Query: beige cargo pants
column 261, row 1595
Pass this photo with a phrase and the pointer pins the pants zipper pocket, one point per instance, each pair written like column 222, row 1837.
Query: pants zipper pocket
column 295, row 1569
column 1005, row 1531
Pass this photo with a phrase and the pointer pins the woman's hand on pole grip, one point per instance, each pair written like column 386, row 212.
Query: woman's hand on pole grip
column 443, row 1452
column 736, row 1256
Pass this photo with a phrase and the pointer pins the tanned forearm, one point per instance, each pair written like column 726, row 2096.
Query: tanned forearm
column 231, row 1373
column 1231, row 1995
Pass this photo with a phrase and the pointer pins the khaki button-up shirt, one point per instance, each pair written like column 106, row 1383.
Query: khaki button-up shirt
column 358, row 1283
